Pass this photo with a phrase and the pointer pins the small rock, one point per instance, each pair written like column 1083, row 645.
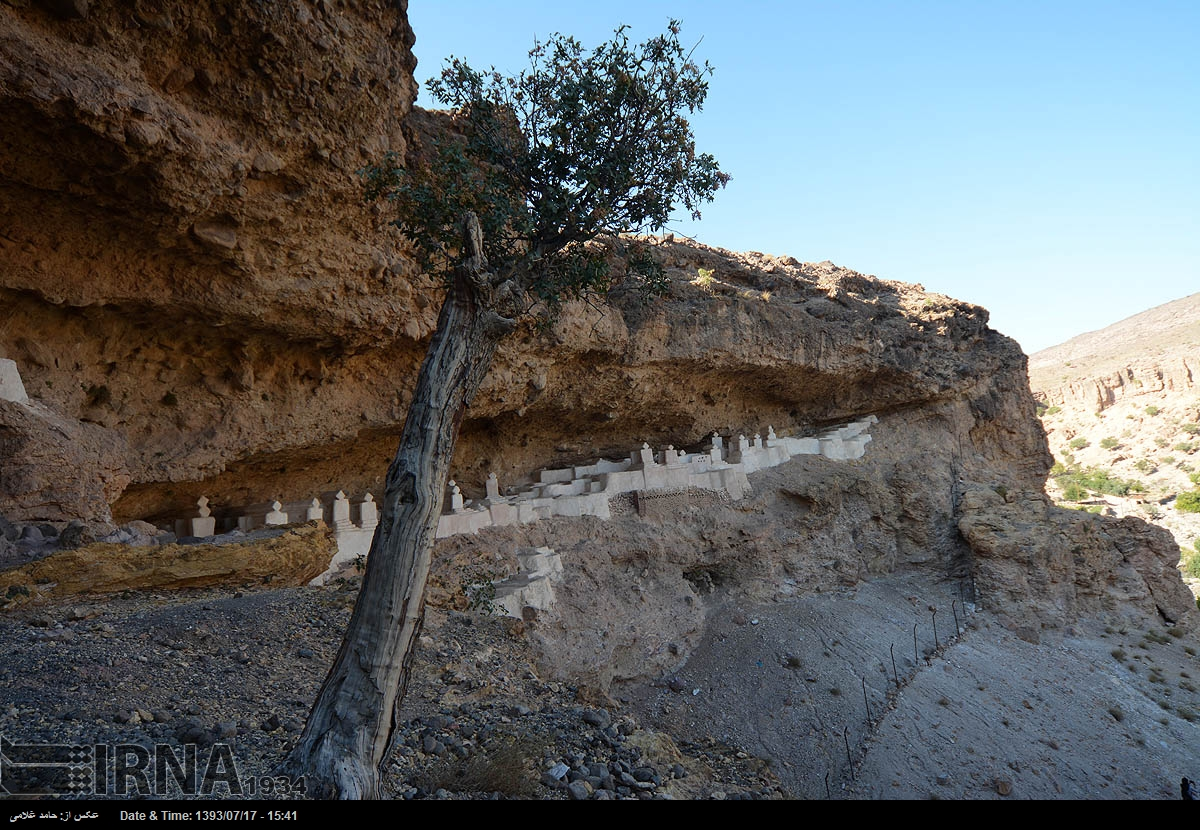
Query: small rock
column 75, row 535
column 266, row 162
column 598, row 718
column 220, row 236
column 1003, row 786
column 579, row 791
column 306, row 653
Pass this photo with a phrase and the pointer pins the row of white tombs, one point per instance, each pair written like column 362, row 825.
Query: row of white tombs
column 571, row 491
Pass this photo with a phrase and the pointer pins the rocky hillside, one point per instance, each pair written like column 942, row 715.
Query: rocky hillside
column 188, row 267
column 1125, row 401
column 1151, row 356
column 198, row 303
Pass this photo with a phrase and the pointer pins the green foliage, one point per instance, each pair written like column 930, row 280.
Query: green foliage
column 705, row 280
column 1073, row 492
column 1152, row 410
column 1195, row 477
column 1095, row 480
column 1054, row 410
column 1145, row 466
column 1186, row 446
column 1167, row 460
column 1109, row 443
column 1191, row 565
column 1038, row 405
column 1078, row 443
column 579, row 145
column 1191, row 429
column 1188, row 502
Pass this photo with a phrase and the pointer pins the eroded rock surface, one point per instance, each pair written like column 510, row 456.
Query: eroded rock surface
column 291, row 557
column 187, row 266
column 54, row 468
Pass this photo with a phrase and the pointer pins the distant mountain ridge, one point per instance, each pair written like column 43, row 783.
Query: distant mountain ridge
column 1154, row 351
column 1124, row 402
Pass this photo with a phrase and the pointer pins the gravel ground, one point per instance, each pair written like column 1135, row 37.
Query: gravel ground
column 1106, row 708
column 772, row 704
column 240, row 669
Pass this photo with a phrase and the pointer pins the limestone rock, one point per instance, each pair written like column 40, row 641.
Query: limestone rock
column 1042, row 566
column 292, row 558
column 11, row 387
column 191, row 279
column 54, row 468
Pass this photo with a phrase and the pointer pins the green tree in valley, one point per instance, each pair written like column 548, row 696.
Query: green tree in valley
column 506, row 208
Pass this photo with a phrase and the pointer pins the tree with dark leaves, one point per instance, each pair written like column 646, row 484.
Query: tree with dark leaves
column 506, row 209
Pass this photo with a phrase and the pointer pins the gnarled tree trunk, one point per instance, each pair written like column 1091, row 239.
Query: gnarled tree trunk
column 348, row 733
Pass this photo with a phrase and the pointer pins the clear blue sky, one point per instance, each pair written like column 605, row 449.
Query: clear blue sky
column 1036, row 158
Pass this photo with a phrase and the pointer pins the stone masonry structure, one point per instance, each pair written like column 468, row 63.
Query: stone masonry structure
column 571, row 491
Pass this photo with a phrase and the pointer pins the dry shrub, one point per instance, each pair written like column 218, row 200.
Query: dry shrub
column 506, row 766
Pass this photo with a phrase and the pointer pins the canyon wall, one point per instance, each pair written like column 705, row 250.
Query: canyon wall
column 187, row 270
column 1149, row 356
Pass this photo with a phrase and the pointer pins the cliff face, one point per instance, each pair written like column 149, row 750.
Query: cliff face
column 188, row 264
column 1126, row 399
column 185, row 252
column 188, row 268
column 1148, row 356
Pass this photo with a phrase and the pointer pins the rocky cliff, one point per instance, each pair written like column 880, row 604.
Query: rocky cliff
column 188, row 268
column 1126, row 400
column 1146, row 356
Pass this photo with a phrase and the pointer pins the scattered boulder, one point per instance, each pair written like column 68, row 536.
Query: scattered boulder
column 75, row 535
column 57, row 468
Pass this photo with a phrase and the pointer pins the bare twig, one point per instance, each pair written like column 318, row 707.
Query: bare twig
column 849, row 761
